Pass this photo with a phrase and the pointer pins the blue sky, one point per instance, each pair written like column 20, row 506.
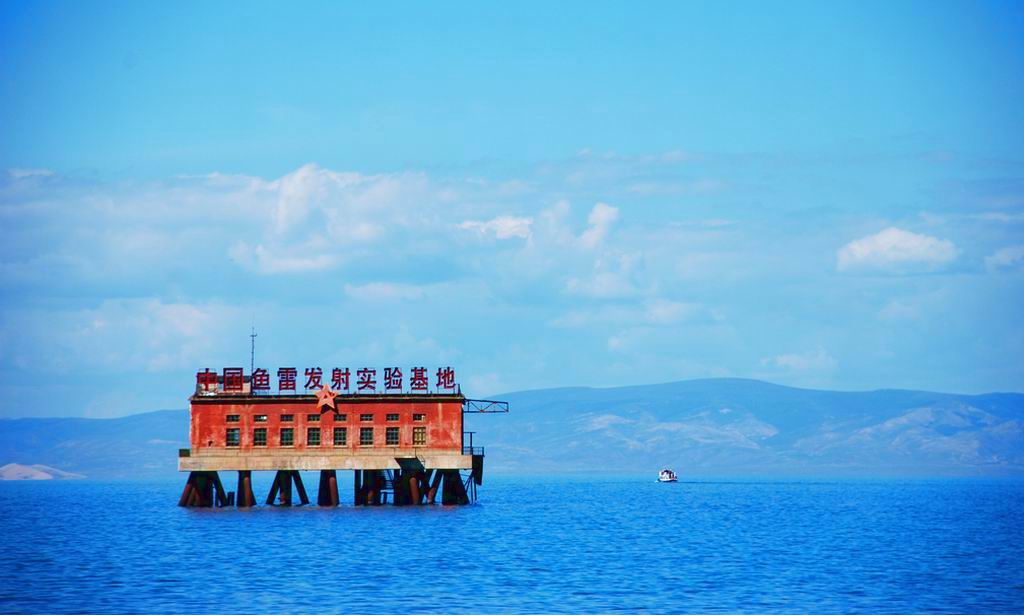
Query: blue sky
column 817, row 194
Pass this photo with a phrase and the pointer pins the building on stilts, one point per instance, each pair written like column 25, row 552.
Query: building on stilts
column 405, row 445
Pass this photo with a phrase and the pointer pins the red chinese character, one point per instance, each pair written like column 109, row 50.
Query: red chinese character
column 367, row 379
column 392, row 379
column 313, row 375
column 445, row 378
column 286, row 378
column 260, row 380
column 206, row 379
column 339, row 379
column 418, row 380
column 233, row 380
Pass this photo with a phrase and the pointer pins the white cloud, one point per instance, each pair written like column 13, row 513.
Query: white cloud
column 502, row 227
column 149, row 334
column 271, row 261
column 662, row 312
column 656, row 312
column 611, row 278
column 384, row 291
column 899, row 309
column 673, row 187
column 603, row 284
column 600, row 221
column 999, row 216
column 17, row 173
column 1005, row 258
column 896, row 250
column 802, row 362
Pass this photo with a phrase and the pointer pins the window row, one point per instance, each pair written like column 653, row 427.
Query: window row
column 315, row 418
column 259, row 436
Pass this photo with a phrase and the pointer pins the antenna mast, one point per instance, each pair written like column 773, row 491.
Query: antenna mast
column 252, row 351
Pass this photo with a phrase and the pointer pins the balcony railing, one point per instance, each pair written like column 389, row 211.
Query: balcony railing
column 467, row 444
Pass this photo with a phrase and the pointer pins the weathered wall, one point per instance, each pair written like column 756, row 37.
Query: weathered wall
column 208, row 429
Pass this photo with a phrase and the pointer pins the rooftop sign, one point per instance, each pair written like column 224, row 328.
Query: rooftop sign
column 365, row 381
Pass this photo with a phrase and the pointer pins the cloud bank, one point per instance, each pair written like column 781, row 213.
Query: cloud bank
column 896, row 250
column 554, row 275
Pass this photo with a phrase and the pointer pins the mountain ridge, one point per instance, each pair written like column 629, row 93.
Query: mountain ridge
column 705, row 427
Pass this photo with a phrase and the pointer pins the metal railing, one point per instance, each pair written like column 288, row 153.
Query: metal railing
column 484, row 406
column 470, row 449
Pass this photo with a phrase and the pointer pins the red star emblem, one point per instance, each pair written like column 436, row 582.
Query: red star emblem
column 325, row 397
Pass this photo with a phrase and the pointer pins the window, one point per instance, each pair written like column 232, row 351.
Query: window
column 419, row 436
column 260, row 418
column 366, row 436
column 340, row 436
column 313, row 418
column 419, row 417
column 391, row 436
column 287, row 436
column 232, row 418
column 392, row 417
column 340, row 417
column 233, row 436
column 259, row 436
column 313, row 436
column 287, row 418
column 365, row 417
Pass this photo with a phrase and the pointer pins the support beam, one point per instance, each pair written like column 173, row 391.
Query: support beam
column 415, row 495
column 447, row 498
column 222, row 499
column 453, row 492
column 358, row 495
column 327, row 494
column 432, row 494
column 274, row 488
column 478, row 469
column 373, row 481
column 286, row 488
column 400, row 481
column 245, row 496
column 205, row 487
column 425, row 476
column 186, row 494
column 297, row 479
column 281, row 490
column 459, row 488
column 333, row 489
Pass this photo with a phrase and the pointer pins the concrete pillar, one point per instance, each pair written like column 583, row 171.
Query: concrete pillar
column 414, row 489
column 328, row 492
column 297, row 478
column 186, row 494
column 245, row 496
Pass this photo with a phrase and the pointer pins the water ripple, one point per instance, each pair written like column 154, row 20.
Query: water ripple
column 533, row 545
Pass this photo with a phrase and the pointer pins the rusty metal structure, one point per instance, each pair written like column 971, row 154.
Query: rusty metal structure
column 404, row 449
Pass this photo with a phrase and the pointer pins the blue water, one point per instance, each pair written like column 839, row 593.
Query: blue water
column 538, row 545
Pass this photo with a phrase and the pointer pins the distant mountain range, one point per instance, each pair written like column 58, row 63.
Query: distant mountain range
column 14, row 471
column 736, row 427
column 701, row 428
column 141, row 445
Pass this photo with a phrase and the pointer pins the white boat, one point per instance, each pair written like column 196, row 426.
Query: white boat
column 667, row 476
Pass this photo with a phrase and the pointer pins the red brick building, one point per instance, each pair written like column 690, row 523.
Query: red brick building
column 409, row 446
